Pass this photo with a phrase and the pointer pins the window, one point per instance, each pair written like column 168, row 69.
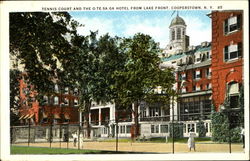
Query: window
column 164, row 128
column 173, row 36
column 191, row 127
column 105, row 130
column 56, row 88
column 122, row 129
column 198, row 58
column 198, row 74
column 128, row 128
column 183, row 76
column 208, row 55
column 154, row 128
column 45, row 99
column 75, row 102
column 234, row 101
column 208, row 72
column 194, row 74
column 66, row 90
column 233, row 92
column 201, row 87
column 183, row 90
column 198, row 88
column 75, row 91
column 232, row 24
column 194, row 88
column 154, row 112
column 66, row 101
column 178, row 33
column 209, row 86
column 56, row 100
column 232, row 52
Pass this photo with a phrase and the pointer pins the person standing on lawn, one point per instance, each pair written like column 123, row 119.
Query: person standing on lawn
column 191, row 142
column 75, row 138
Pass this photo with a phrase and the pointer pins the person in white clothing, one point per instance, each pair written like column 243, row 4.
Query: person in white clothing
column 81, row 140
column 74, row 138
column 191, row 142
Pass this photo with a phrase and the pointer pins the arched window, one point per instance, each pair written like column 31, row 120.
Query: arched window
column 178, row 33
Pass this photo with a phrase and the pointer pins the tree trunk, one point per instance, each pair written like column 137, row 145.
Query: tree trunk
column 136, row 119
column 86, row 118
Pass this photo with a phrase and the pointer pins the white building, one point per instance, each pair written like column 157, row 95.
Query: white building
column 155, row 121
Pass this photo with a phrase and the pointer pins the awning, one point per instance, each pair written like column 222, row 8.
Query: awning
column 20, row 118
column 66, row 116
column 26, row 116
column 56, row 116
column 30, row 116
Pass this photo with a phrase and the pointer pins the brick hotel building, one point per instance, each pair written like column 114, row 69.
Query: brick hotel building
column 206, row 74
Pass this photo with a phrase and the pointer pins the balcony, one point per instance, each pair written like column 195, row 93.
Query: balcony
column 161, row 118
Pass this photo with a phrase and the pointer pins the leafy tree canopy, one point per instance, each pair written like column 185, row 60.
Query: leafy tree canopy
column 40, row 41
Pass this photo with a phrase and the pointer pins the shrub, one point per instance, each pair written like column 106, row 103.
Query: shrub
column 178, row 130
column 201, row 129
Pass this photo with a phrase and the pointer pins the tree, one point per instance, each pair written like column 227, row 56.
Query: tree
column 40, row 41
column 141, row 75
column 91, row 69
column 15, row 77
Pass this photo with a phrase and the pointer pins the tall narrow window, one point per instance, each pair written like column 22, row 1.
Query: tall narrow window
column 178, row 33
column 56, row 88
column 232, row 24
column 232, row 51
column 173, row 34
column 56, row 100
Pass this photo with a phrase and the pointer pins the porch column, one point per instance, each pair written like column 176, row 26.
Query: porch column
column 90, row 117
column 100, row 116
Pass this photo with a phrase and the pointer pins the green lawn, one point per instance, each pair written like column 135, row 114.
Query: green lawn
column 40, row 150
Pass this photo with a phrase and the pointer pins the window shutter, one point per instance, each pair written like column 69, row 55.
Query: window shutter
column 239, row 21
column 239, row 49
column 226, row 26
column 226, row 53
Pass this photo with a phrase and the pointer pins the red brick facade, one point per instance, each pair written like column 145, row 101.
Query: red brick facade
column 32, row 112
column 225, row 71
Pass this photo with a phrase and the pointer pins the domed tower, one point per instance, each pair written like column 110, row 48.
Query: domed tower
column 179, row 41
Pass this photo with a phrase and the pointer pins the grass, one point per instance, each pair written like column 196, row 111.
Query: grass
column 43, row 150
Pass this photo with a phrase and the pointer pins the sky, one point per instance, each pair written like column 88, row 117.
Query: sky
column 154, row 23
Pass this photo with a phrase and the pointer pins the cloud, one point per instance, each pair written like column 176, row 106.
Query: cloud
column 197, row 30
column 156, row 27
